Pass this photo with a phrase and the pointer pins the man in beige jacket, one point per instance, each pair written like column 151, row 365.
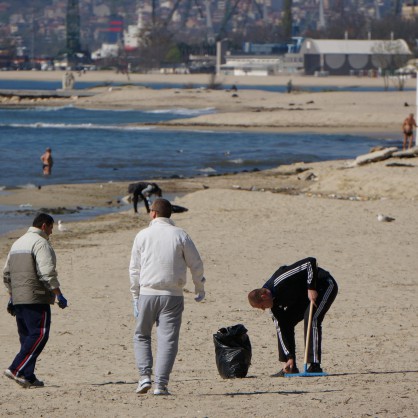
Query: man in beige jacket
column 30, row 277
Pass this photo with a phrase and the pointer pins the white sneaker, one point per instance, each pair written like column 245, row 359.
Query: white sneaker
column 20, row 380
column 144, row 385
column 161, row 390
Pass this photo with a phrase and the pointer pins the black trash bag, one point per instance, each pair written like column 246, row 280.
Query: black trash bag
column 232, row 351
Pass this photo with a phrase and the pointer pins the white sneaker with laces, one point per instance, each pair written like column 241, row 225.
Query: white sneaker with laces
column 144, row 385
column 161, row 390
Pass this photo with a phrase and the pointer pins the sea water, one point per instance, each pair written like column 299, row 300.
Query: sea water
column 109, row 145
column 112, row 145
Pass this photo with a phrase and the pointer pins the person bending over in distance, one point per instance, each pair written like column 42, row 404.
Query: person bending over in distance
column 142, row 191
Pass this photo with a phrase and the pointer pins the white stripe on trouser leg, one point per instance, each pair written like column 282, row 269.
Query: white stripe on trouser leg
column 315, row 334
column 35, row 347
column 279, row 335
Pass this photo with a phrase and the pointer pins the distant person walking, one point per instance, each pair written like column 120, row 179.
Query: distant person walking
column 408, row 131
column 31, row 280
column 47, row 162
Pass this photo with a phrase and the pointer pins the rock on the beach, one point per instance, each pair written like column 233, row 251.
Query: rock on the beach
column 376, row 156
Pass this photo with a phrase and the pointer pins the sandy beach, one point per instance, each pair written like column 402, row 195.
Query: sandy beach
column 245, row 226
column 327, row 111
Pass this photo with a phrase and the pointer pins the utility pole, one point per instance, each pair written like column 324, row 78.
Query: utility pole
column 73, row 30
column 287, row 19
column 32, row 45
column 321, row 24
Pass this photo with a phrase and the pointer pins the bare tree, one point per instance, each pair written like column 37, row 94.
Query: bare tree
column 155, row 42
column 390, row 56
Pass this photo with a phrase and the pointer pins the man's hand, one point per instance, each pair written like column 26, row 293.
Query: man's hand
column 62, row 302
column 312, row 296
column 11, row 308
column 289, row 366
column 135, row 306
column 200, row 296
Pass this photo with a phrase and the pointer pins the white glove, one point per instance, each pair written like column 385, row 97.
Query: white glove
column 200, row 296
column 135, row 306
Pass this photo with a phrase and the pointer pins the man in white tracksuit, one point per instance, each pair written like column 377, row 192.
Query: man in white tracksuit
column 160, row 256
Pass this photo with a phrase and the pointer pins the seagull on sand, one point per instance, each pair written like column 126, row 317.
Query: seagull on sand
column 384, row 218
column 61, row 226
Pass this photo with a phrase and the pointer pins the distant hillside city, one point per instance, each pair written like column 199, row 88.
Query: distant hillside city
column 152, row 33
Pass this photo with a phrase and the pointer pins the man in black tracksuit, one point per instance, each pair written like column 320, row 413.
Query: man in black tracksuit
column 288, row 294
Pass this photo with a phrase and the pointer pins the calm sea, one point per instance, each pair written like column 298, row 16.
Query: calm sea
column 103, row 146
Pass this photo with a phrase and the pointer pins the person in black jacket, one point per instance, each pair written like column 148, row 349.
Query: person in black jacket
column 142, row 191
column 288, row 294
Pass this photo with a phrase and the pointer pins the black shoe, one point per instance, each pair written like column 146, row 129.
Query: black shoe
column 36, row 384
column 282, row 373
column 314, row 368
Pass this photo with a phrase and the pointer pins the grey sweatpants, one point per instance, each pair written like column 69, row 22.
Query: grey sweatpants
column 166, row 313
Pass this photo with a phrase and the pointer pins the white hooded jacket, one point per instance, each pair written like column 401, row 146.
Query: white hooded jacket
column 160, row 256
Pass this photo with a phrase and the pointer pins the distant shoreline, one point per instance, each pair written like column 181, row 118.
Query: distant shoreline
column 190, row 79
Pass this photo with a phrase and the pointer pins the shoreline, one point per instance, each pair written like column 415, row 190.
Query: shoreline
column 188, row 79
column 326, row 130
column 291, row 179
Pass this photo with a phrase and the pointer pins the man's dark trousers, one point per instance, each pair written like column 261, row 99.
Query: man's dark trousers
column 33, row 324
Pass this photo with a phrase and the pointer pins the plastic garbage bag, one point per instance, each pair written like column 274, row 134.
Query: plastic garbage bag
column 233, row 351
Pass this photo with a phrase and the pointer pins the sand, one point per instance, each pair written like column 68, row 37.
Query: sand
column 245, row 226
column 329, row 111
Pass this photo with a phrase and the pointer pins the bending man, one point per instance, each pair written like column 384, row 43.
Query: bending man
column 142, row 191
column 288, row 294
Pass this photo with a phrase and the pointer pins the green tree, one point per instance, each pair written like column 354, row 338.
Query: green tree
column 174, row 55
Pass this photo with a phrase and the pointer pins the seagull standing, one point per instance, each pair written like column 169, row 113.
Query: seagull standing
column 384, row 218
column 61, row 226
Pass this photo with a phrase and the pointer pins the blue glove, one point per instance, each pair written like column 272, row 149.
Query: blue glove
column 62, row 302
column 11, row 308
column 200, row 296
column 135, row 306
